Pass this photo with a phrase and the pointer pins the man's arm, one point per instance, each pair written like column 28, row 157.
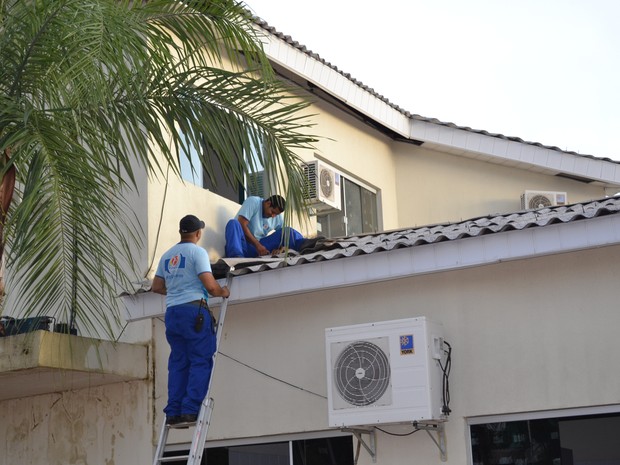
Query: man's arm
column 158, row 286
column 212, row 286
column 260, row 248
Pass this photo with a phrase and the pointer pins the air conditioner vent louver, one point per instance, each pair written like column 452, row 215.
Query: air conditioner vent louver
column 362, row 373
column 532, row 200
column 323, row 185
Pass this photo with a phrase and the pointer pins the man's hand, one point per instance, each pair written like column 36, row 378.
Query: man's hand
column 158, row 286
column 262, row 250
column 212, row 286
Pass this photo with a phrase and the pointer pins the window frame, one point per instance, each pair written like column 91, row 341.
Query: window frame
column 283, row 438
column 342, row 213
column 192, row 171
column 534, row 415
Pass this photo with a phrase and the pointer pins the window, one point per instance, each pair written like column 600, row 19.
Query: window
column 358, row 214
column 192, row 171
column 565, row 440
column 321, row 451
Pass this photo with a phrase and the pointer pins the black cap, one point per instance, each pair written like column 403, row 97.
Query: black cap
column 190, row 224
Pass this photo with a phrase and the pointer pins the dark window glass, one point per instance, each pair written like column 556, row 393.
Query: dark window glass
column 259, row 454
column 550, row 441
column 220, row 184
column 369, row 212
column 353, row 207
column 324, row 451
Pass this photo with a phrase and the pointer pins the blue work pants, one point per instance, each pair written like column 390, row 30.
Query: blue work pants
column 238, row 246
column 191, row 358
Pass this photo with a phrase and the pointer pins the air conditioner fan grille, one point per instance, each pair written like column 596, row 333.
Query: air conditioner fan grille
column 362, row 373
column 539, row 201
column 327, row 183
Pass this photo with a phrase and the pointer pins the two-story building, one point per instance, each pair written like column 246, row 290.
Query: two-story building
column 444, row 241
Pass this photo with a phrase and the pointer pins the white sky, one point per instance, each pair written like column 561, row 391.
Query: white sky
column 546, row 71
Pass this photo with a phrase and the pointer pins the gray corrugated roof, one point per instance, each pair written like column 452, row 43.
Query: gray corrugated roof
column 334, row 249
column 302, row 48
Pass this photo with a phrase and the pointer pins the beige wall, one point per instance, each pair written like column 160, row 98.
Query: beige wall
column 415, row 186
column 350, row 146
column 168, row 205
column 527, row 335
column 360, row 152
column 106, row 425
column 435, row 187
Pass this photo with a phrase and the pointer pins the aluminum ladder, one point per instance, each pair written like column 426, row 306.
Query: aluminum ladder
column 201, row 427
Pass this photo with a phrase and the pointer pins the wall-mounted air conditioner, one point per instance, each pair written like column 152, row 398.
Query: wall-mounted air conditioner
column 385, row 372
column 323, row 185
column 531, row 200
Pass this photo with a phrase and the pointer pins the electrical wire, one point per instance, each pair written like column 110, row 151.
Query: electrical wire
column 271, row 376
column 398, row 434
column 446, row 375
column 161, row 219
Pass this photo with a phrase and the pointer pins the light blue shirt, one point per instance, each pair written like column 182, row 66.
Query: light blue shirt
column 252, row 210
column 180, row 267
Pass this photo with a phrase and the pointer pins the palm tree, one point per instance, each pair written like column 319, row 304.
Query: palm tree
column 90, row 93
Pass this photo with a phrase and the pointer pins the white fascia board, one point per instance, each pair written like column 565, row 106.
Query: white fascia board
column 514, row 153
column 405, row 262
column 335, row 83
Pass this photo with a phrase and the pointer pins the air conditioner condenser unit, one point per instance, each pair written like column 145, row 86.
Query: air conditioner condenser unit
column 532, row 200
column 323, row 188
column 385, row 372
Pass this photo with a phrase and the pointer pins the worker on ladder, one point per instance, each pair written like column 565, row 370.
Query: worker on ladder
column 184, row 276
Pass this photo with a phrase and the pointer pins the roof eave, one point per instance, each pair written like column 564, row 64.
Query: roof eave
column 405, row 126
column 406, row 262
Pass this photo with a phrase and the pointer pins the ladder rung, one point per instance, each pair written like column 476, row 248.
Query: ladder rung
column 173, row 457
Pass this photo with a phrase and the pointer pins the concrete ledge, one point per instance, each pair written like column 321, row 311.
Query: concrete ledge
column 43, row 362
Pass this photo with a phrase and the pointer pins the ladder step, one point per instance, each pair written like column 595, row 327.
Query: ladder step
column 181, row 425
column 173, row 458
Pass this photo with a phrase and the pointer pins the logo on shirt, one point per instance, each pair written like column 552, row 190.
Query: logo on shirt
column 174, row 263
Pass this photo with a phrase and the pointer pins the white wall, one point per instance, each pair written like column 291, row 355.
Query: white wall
column 527, row 335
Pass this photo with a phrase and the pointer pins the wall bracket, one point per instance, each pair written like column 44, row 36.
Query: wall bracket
column 371, row 445
column 440, row 441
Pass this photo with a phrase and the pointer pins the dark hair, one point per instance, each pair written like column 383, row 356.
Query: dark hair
column 277, row 201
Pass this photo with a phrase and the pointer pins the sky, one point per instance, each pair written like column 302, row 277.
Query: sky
column 546, row 71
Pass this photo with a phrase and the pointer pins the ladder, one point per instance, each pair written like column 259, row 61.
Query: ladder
column 201, row 426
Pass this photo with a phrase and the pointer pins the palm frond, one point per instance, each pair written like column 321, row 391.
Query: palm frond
column 92, row 89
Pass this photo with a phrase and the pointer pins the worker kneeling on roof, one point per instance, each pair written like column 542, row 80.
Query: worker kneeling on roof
column 184, row 277
column 257, row 230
